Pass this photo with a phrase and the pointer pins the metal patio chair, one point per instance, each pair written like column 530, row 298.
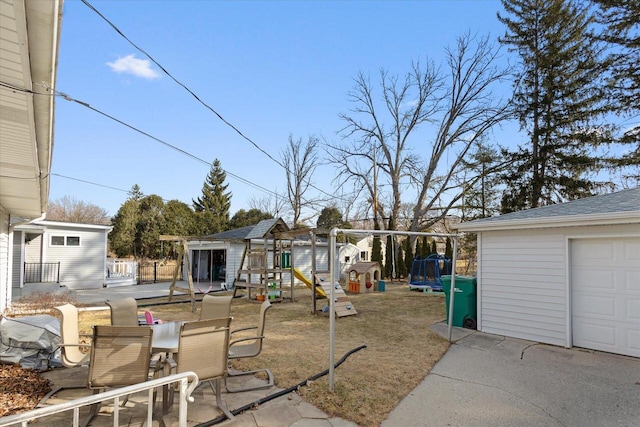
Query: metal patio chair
column 204, row 349
column 120, row 356
column 215, row 307
column 251, row 347
column 124, row 312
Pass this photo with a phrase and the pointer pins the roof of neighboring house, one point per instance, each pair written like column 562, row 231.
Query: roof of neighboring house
column 622, row 207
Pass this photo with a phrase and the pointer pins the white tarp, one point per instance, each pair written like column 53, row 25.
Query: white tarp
column 31, row 341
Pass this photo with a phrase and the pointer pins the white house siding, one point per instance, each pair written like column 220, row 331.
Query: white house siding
column 516, row 298
column 33, row 251
column 523, row 280
column 16, row 259
column 5, row 285
column 81, row 267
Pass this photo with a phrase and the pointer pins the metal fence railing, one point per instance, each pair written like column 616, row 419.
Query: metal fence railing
column 157, row 271
column 42, row 272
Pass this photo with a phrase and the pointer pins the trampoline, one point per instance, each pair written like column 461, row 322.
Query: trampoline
column 426, row 272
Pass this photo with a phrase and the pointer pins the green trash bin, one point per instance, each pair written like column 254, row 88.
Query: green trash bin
column 465, row 302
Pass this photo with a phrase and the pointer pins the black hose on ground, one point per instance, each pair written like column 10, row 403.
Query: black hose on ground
column 281, row 392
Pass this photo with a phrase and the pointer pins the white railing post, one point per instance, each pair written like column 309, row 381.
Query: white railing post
column 188, row 382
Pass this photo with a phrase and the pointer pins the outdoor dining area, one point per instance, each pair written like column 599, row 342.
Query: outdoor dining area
column 135, row 350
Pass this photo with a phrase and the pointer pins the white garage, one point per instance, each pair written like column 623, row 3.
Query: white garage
column 566, row 274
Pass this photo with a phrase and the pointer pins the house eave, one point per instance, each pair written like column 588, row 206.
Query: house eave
column 616, row 218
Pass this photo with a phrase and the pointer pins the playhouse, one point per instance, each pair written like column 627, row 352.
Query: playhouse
column 364, row 277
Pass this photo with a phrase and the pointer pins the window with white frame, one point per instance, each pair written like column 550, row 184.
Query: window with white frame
column 65, row 240
column 364, row 256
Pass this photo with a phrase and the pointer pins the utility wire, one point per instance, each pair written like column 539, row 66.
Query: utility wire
column 148, row 135
column 207, row 106
column 173, row 147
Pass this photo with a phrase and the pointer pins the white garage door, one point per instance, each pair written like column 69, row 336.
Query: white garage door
column 605, row 294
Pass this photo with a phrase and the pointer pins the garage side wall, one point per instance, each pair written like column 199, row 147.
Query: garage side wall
column 522, row 279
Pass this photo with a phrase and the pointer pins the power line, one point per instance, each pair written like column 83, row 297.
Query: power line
column 171, row 146
column 203, row 103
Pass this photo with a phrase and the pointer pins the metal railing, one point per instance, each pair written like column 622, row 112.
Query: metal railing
column 153, row 272
column 42, row 272
column 188, row 382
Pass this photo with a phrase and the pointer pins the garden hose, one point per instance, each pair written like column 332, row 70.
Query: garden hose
column 281, row 392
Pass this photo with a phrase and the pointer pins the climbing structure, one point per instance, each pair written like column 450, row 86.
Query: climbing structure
column 343, row 305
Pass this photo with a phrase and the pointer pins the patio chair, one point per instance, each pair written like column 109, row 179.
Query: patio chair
column 204, row 349
column 71, row 356
column 215, row 307
column 252, row 348
column 120, row 356
column 124, row 312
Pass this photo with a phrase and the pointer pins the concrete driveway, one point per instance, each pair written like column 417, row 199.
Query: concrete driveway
column 490, row 380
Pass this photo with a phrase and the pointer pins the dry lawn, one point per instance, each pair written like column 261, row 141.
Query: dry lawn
column 393, row 325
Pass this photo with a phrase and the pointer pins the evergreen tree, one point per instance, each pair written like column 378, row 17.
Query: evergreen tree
column 426, row 247
column 434, row 247
column 376, row 248
column 559, row 98
column 620, row 23
column 621, row 33
column 135, row 193
column 389, row 258
column 418, row 247
column 448, row 249
column 243, row 218
column 179, row 219
column 391, row 252
column 122, row 237
column 149, row 226
column 213, row 206
column 401, row 268
column 408, row 255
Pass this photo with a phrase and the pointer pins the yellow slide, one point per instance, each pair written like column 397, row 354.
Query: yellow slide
column 300, row 276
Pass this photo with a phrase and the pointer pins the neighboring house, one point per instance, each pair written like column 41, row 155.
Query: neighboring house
column 366, row 246
column 51, row 254
column 28, row 63
column 218, row 257
column 566, row 274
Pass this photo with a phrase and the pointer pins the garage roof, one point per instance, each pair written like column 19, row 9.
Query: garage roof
column 622, row 207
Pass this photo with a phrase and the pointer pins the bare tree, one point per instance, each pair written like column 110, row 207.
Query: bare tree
column 69, row 209
column 457, row 108
column 373, row 144
column 274, row 205
column 470, row 111
column 300, row 158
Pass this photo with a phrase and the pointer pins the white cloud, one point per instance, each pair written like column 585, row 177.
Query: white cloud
column 132, row 65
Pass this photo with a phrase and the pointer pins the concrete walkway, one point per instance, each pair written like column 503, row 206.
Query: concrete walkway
column 490, row 380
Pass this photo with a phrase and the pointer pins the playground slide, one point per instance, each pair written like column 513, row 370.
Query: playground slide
column 300, row 276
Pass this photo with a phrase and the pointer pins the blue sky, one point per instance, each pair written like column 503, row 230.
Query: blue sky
column 271, row 68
